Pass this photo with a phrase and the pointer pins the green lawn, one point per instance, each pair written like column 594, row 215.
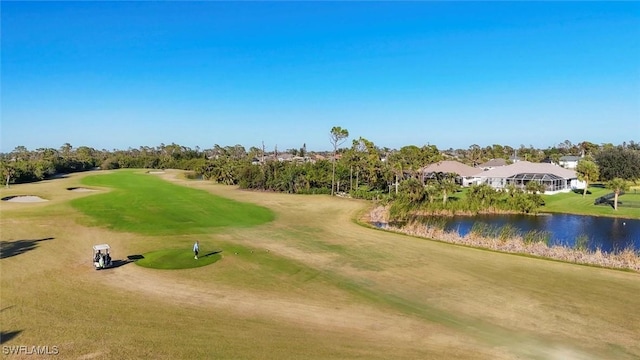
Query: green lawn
column 575, row 203
column 177, row 259
column 146, row 204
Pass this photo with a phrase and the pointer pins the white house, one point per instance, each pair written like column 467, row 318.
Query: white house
column 555, row 178
column 465, row 173
column 569, row 161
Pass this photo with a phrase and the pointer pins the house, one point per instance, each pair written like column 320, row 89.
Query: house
column 569, row 161
column 465, row 173
column 492, row 164
column 285, row 157
column 555, row 178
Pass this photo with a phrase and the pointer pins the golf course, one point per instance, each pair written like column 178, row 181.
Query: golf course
column 280, row 276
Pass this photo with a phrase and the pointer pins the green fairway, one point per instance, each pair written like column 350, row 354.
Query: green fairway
column 177, row 259
column 145, row 204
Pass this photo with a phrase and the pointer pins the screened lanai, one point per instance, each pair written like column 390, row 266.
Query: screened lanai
column 550, row 181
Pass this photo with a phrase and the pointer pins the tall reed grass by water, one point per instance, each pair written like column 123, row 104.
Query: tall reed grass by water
column 508, row 239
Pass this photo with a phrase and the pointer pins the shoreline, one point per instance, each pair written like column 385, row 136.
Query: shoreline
column 628, row 260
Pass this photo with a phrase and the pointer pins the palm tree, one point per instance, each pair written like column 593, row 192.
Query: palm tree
column 447, row 185
column 587, row 171
column 483, row 193
column 618, row 185
column 535, row 187
column 338, row 136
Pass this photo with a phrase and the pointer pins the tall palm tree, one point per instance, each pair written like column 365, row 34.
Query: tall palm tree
column 618, row 185
column 338, row 136
column 447, row 185
column 587, row 171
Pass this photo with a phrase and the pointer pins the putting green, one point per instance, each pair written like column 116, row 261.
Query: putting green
column 177, row 259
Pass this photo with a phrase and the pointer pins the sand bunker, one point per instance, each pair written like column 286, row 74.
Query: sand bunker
column 24, row 198
column 156, row 172
column 80, row 189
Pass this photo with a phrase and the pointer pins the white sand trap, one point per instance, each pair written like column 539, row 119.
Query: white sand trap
column 156, row 172
column 81, row 189
column 24, row 199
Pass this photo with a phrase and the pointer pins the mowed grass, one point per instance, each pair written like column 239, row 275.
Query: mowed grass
column 310, row 284
column 177, row 259
column 575, row 203
column 145, row 204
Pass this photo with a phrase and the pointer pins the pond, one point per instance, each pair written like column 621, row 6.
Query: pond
column 607, row 234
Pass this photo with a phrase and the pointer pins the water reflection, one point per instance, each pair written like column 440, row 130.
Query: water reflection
column 608, row 234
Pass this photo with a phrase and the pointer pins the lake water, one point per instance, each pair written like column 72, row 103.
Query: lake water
column 608, row 234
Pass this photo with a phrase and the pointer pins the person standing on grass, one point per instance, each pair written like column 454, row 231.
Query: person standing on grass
column 196, row 248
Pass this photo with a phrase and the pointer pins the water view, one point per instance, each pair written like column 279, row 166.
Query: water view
column 607, row 234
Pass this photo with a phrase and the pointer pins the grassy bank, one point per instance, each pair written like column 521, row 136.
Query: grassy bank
column 533, row 243
column 575, row 203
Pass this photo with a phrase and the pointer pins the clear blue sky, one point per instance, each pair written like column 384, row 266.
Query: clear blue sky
column 126, row 74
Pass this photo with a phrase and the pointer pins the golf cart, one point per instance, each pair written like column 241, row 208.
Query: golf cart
column 101, row 256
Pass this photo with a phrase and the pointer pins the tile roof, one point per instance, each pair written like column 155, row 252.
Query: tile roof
column 494, row 163
column 449, row 166
column 570, row 158
column 528, row 167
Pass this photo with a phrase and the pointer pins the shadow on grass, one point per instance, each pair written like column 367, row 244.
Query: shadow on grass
column 130, row 259
column 581, row 191
column 119, row 262
column 213, row 253
column 13, row 248
column 8, row 335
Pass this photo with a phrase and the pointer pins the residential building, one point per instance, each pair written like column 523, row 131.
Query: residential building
column 569, row 161
column 466, row 175
column 555, row 178
column 492, row 164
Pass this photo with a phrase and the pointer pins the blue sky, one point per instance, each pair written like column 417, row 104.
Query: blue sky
column 127, row 74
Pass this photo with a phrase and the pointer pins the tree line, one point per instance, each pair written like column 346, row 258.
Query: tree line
column 361, row 169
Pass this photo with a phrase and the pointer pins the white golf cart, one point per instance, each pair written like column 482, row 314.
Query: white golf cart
column 101, row 256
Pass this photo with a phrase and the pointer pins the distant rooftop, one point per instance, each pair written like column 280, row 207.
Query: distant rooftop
column 449, row 166
column 493, row 163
